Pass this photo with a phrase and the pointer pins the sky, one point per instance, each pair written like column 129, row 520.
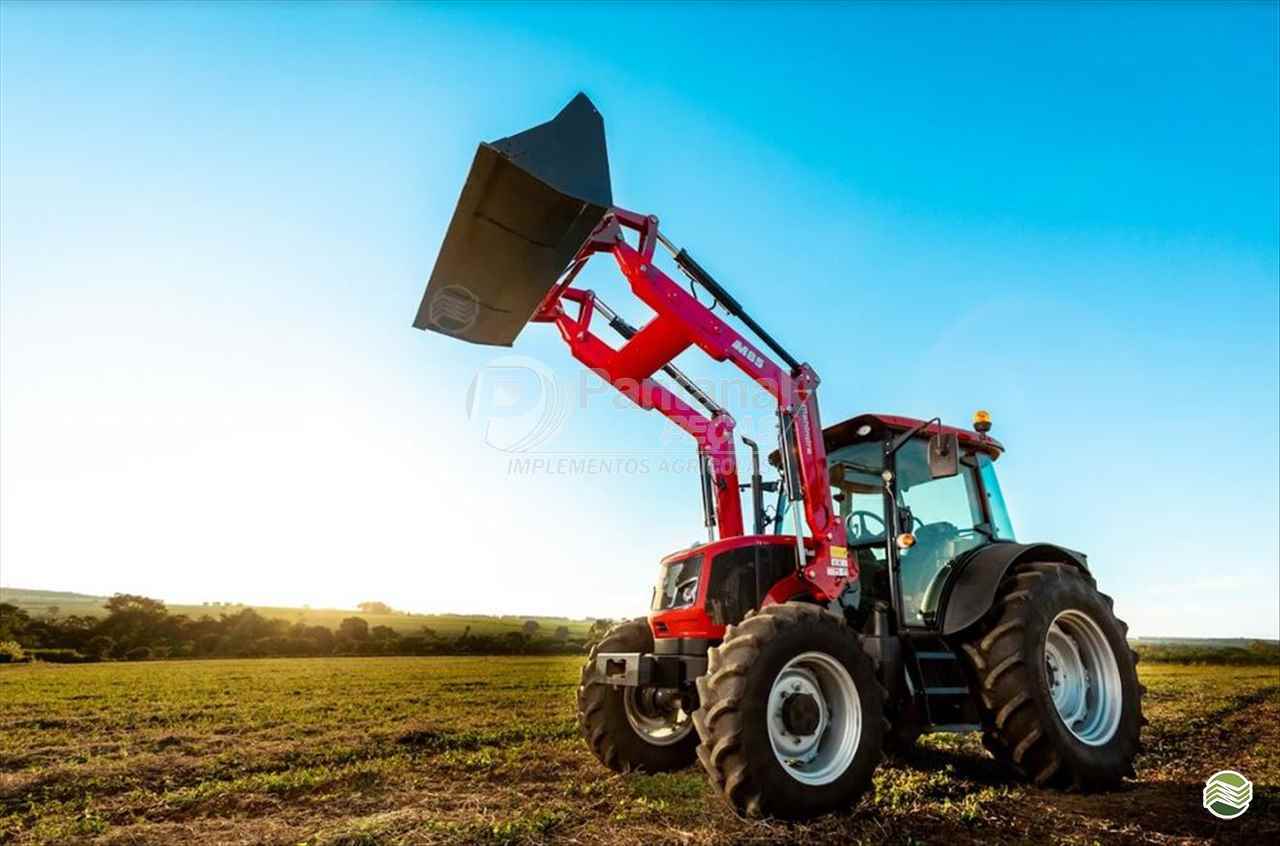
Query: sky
column 216, row 222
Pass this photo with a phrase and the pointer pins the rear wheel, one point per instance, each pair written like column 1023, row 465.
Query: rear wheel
column 1061, row 702
column 791, row 716
column 633, row 728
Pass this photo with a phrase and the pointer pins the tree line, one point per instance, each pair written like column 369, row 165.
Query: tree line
column 137, row 628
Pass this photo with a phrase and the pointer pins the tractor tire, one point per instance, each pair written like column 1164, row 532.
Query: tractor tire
column 623, row 731
column 757, row 712
column 1060, row 701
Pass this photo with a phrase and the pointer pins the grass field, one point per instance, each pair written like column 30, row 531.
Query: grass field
column 484, row 750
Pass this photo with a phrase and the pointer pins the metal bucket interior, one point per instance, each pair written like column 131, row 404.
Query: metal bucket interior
column 529, row 203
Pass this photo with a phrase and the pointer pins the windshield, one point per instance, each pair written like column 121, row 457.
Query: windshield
column 1000, row 522
column 946, row 519
column 857, row 492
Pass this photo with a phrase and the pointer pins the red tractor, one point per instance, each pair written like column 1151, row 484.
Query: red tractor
column 882, row 597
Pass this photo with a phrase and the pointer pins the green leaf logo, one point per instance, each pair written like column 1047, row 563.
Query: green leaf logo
column 1227, row 794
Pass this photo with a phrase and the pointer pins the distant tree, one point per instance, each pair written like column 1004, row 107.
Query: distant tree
column 429, row 633
column 100, row 646
column 354, row 628
column 562, row 633
column 209, row 643
column 13, row 622
column 416, row 645
column 134, row 621
column 52, row 612
column 384, row 633
column 244, row 631
column 138, row 653
column 530, row 627
column 321, row 638
column 122, row 603
column 375, row 608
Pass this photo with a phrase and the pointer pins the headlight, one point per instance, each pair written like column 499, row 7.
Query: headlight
column 687, row 592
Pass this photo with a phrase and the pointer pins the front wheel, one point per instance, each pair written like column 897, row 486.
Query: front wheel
column 791, row 716
column 633, row 728
column 1061, row 702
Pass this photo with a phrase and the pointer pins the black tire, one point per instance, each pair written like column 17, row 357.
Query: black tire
column 602, row 713
column 1022, row 726
column 732, row 720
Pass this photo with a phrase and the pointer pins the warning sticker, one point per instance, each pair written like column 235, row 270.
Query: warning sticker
column 839, row 552
column 838, row 569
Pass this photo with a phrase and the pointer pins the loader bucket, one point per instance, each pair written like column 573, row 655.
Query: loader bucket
column 529, row 203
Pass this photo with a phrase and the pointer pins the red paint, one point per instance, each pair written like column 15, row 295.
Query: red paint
column 694, row 621
column 681, row 322
column 842, row 434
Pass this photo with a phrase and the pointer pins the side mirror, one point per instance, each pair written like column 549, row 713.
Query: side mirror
column 944, row 455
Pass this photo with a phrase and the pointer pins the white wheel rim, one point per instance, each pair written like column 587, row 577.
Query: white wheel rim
column 660, row 730
column 1084, row 677
column 824, row 755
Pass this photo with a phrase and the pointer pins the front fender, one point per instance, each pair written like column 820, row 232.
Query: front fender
column 976, row 577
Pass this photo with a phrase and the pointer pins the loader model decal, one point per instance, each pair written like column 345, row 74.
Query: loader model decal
column 749, row 354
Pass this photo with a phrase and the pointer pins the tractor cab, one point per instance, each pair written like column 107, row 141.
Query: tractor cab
column 904, row 512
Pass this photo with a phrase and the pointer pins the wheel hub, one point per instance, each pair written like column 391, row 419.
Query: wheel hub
column 1083, row 677
column 814, row 718
column 657, row 715
column 801, row 714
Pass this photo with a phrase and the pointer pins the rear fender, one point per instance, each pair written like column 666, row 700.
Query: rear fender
column 971, row 590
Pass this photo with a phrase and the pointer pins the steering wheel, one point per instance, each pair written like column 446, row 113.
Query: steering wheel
column 858, row 532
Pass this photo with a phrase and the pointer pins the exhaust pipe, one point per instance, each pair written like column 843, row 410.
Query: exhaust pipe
column 529, row 203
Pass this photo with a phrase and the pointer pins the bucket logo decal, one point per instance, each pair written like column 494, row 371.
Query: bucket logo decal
column 453, row 310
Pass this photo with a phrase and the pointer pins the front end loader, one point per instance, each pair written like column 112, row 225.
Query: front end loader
column 882, row 596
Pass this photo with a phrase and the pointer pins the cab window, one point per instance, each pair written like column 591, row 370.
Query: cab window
column 946, row 520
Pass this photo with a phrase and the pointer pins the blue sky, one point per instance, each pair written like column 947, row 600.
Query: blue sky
column 216, row 222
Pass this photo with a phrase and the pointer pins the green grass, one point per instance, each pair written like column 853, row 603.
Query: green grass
column 474, row 750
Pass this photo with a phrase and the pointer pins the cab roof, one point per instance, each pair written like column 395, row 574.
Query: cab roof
column 846, row 432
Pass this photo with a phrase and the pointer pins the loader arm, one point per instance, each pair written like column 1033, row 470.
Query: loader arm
column 681, row 322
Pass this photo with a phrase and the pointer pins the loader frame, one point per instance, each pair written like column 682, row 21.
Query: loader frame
column 682, row 322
